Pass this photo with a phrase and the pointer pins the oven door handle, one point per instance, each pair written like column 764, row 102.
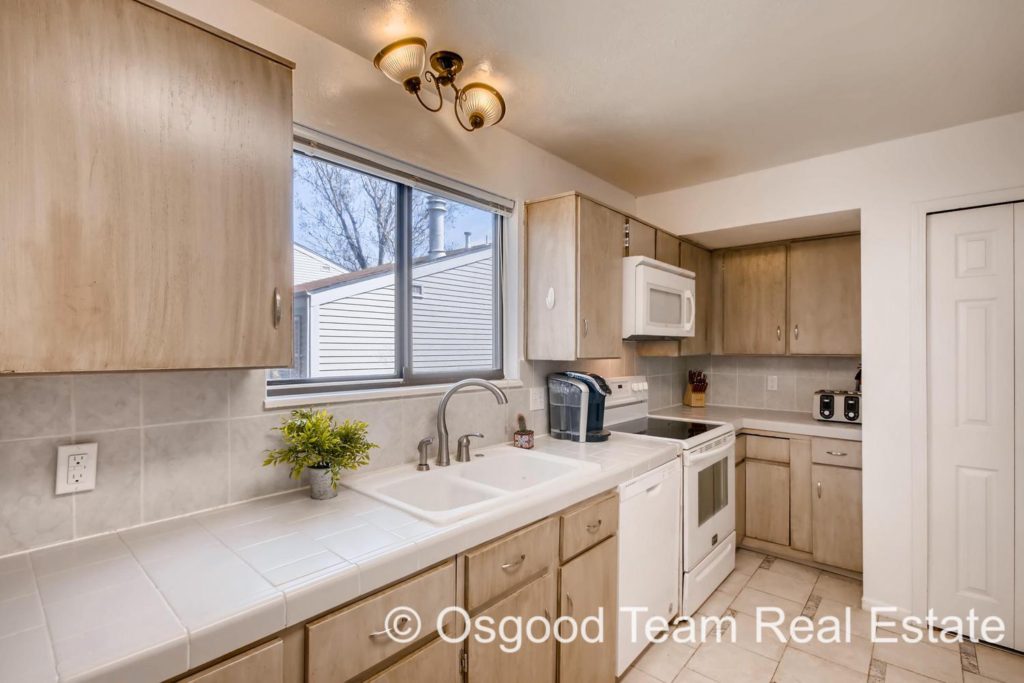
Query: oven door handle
column 710, row 456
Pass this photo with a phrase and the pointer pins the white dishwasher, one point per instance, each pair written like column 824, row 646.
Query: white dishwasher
column 649, row 551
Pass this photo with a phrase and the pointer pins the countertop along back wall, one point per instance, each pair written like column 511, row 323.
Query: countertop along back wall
column 886, row 182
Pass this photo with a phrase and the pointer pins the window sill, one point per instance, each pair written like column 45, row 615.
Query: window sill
column 279, row 402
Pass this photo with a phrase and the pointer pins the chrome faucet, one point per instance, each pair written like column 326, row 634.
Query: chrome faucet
column 443, row 457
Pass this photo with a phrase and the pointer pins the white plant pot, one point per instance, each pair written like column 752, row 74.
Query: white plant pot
column 320, row 484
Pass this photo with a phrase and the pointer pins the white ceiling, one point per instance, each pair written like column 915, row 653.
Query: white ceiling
column 657, row 94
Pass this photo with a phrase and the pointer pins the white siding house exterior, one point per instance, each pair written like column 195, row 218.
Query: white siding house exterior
column 351, row 317
column 309, row 266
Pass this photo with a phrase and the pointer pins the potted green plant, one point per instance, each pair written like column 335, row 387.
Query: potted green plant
column 313, row 441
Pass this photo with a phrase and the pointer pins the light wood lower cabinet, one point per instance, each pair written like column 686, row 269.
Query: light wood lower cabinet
column 741, row 501
column 587, row 590
column 800, row 495
column 767, row 500
column 587, row 524
column 535, row 662
column 437, row 662
column 354, row 639
column 838, row 528
column 262, row 664
column 499, row 566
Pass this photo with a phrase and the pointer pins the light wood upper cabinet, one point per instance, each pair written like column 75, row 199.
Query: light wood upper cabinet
column 145, row 194
column 574, row 279
column 587, row 589
column 837, row 517
column 698, row 260
column 642, row 239
column 824, row 296
column 754, row 301
column 666, row 248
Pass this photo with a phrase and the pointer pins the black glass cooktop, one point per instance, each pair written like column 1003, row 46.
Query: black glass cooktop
column 669, row 429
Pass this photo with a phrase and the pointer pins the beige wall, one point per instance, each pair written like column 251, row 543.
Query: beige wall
column 886, row 182
column 172, row 443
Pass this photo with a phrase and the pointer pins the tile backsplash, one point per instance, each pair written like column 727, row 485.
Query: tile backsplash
column 172, row 443
column 743, row 380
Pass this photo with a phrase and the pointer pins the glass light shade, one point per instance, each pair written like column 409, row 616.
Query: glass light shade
column 402, row 60
column 481, row 105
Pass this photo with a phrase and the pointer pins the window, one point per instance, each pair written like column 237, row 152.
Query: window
column 395, row 282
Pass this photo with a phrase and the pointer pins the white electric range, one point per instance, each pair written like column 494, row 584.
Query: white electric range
column 708, row 547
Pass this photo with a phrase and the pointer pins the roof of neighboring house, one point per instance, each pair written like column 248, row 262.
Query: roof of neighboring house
column 380, row 271
column 309, row 265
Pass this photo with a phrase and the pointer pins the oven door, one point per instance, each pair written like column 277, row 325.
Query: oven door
column 666, row 303
column 709, row 506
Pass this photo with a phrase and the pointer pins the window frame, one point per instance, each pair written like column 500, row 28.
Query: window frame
column 407, row 179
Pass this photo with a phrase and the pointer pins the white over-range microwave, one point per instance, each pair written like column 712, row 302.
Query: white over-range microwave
column 657, row 299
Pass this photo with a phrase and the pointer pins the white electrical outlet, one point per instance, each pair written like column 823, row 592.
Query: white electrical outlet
column 773, row 382
column 76, row 467
column 537, row 398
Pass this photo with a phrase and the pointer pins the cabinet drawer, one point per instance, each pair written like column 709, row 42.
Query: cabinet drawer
column 767, row 448
column 588, row 524
column 498, row 567
column 263, row 664
column 836, row 452
column 437, row 662
column 350, row 641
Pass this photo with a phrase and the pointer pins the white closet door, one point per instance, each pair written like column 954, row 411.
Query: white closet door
column 1018, row 233
column 971, row 413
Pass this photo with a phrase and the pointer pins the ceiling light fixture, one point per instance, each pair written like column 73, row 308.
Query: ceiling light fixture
column 477, row 105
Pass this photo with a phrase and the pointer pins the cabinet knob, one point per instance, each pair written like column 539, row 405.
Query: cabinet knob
column 778, row 332
column 819, row 489
column 277, row 307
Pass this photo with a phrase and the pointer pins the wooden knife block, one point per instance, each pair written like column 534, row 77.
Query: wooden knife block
column 692, row 398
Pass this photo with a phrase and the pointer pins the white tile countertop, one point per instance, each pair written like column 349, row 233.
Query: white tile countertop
column 151, row 602
column 768, row 420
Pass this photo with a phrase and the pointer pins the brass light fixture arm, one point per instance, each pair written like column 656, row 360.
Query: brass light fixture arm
column 430, row 78
column 458, row 96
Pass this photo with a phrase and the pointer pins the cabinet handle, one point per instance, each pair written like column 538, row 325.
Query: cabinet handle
column 515, row 564
column 819, row 489
column 594, row 526
column 568, row 605
column 277, row 307
column 586, row 327
column 399, row 624
column 838, row 454
column 796, row 331
column 778, row 332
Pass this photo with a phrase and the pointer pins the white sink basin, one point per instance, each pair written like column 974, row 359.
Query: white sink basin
column 447, row 494
column 518, row 470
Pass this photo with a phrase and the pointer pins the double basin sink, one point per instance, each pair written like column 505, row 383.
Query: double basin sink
column 448, row 494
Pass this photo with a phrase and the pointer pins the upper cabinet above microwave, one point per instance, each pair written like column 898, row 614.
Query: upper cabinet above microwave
column 574, row 279
column 145, row 195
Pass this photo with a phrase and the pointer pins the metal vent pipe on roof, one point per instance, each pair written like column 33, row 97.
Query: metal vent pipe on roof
column 436, row 210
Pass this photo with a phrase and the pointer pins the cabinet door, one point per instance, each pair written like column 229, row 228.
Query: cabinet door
column 588, row 588
column 800, row 494
column 767, row 501
column 641, row 239
column 824, row 296
column 531, row 662
column 551, row 279
column 697, row 259
column 741, row 501
column 437, row 662
column 145, row 194
column 599, row 282
column 754, row 301
column 838, row 531
column 666, row 248
column 262, row 664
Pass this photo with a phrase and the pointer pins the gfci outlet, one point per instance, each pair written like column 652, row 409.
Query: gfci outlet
column 76, row 468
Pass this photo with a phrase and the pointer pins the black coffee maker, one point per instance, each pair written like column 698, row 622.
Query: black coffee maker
column 576, row 406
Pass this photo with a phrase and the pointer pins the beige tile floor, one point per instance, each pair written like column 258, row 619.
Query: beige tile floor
column 761, row 581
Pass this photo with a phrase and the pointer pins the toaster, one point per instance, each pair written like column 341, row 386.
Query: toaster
column 837, row 406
